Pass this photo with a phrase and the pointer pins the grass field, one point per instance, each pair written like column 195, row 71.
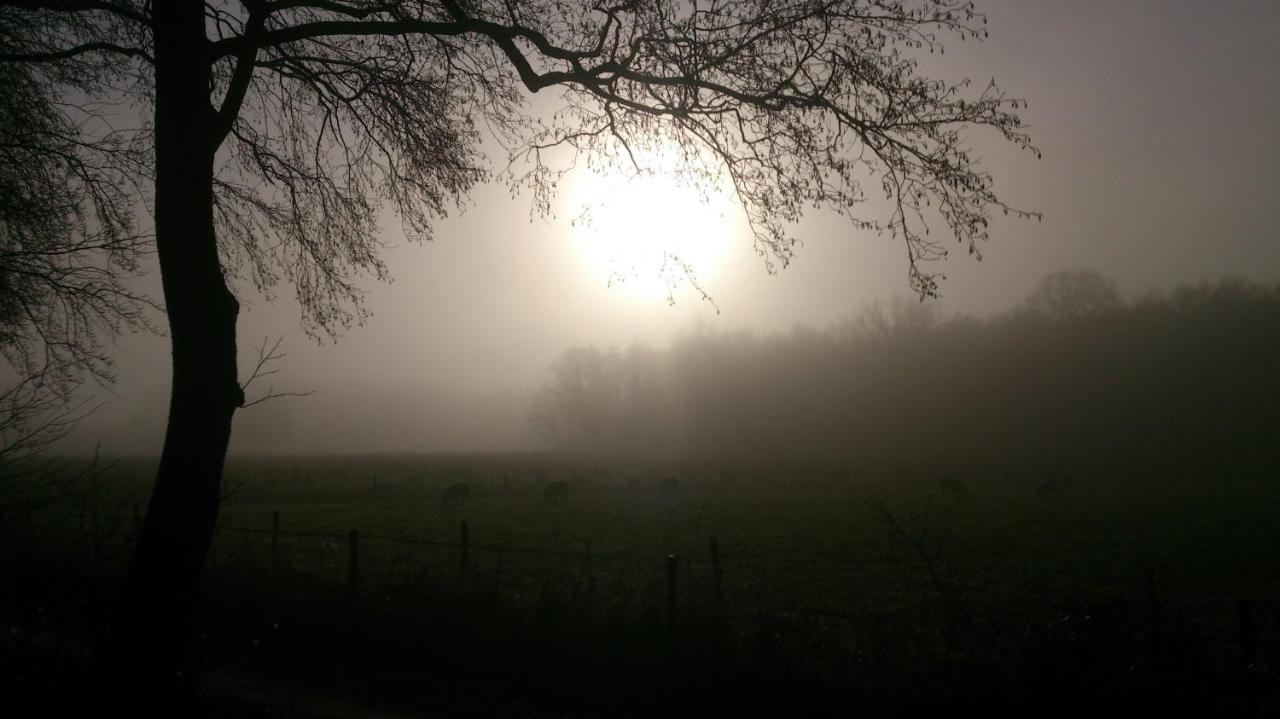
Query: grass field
column 843, row 537
column 902, row 572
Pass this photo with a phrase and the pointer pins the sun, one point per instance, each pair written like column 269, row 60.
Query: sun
column 649, row 235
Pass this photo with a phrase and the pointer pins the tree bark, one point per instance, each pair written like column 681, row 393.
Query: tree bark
column 155, row 608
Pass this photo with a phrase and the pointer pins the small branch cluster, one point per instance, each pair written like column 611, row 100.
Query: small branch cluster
column 68, row 245
column 67, row 242
column 262, row 368
column 35, row 414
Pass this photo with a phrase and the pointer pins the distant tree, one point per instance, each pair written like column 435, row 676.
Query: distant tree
column 279, row 127
column 1187, row 380
column 605, row 401
column 1074, row 293
column 574, row 404
column 903, row 319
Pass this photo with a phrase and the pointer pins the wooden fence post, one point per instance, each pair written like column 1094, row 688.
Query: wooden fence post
column 1248, row 655
column 672, row 568
column 82, row 534
column 95, row 526
column 353, row 573
column 717, row 578
column 591, row 578
column 1154, row 615
column 672, row 585
column 275, row 541
column 465, row 547
column 497, row 572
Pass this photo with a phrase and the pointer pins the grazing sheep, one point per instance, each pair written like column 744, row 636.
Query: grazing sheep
column 457, row 492
column 667, row 488
column 557, row 491
column 954, row 486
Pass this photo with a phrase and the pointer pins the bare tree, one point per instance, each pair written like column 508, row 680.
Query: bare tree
column 33, row 416
column 36, row 412
column 903, row 319
column 67, row 238
column 67, row 248
column 580, row 403
column 280, row 127
column 597, row 401
column 1068, row 294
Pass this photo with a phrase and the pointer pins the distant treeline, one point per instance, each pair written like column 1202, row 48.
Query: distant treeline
column 1071, row 378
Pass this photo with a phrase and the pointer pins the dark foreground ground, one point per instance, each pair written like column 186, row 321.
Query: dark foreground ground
column 784, row 591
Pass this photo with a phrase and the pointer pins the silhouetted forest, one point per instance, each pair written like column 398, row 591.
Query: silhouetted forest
column 1072, row 378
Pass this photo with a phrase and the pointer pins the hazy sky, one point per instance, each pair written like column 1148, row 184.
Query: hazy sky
column 1158, row 122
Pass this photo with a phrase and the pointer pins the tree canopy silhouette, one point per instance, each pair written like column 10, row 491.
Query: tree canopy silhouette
column 279, row 128
column 67, row 245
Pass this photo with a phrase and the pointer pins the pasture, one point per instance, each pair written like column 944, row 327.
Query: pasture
column 845, row 539
column 820, row 572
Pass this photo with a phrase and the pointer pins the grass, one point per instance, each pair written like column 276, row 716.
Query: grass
column 896, row 590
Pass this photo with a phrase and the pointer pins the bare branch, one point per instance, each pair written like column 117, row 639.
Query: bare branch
column 260, row 369
column 229, row 110
column 76, row 6
column 71, row 52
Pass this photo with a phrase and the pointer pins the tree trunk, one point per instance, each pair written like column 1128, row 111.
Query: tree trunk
column 155, row 608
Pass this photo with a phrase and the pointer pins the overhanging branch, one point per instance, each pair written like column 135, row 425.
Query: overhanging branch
column 72, row 52
column 82, row 6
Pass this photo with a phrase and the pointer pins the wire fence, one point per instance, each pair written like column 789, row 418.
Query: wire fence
column 358, row 564
column 711, row 579
column 104, row 533
column 364, row 561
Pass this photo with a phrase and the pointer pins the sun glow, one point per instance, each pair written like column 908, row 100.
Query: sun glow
column 650, row 235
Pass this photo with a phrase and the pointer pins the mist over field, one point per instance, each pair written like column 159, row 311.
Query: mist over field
column 1072, row 379
column 536, row 359
column 1073, row 376
column 1159, row 171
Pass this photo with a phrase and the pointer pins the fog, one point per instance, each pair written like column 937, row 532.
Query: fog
column 1073, row 379
column 616, row 451
column 1161, row 168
